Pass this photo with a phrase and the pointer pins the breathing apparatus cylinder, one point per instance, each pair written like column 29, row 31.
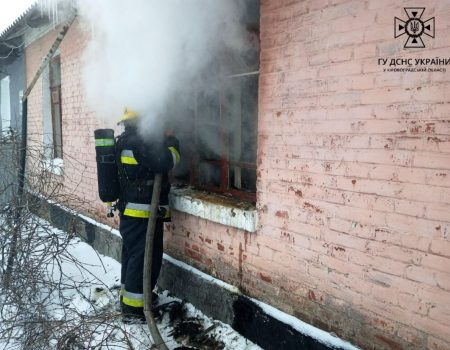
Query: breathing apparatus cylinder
column 108, row 179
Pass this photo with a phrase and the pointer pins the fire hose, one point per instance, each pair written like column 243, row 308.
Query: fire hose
column 148, row 258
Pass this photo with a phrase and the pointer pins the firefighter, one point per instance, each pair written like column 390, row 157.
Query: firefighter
column 138, row 159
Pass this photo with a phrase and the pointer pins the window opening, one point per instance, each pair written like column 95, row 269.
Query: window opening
column 219, row 150
column 5, row 106
column 56, row 110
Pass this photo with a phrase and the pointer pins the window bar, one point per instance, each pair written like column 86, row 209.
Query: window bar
column 195, row 160
column 243, row 74
column 244, row 165
column 224, row 173
column 236, row 134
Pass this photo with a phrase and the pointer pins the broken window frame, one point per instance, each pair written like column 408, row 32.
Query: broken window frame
column 224, row 162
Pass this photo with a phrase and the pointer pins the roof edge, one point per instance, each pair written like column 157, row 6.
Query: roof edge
column 18, row 20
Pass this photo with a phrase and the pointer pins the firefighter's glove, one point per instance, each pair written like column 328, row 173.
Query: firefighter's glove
column 164, row 213
column 110, row 209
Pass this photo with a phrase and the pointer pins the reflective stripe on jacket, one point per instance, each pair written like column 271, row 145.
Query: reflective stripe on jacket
column 127, row 157
column 137, row 210
column 137, row 162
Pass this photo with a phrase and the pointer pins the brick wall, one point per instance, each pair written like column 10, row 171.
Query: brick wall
column 353, row 174
column 78, row 122
column 353, row 179
column 34, row 54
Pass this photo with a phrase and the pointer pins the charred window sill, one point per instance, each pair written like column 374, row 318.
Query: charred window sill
column 215, row 208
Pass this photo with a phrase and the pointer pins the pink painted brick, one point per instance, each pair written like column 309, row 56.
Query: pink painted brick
column 354, row 177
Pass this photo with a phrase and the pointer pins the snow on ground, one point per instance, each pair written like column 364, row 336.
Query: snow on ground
column 84, row 308
column 107, row 270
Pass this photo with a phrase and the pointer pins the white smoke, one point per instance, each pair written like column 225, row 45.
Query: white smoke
column 147, row 54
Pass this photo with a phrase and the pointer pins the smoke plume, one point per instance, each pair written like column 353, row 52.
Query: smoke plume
column 151, row 54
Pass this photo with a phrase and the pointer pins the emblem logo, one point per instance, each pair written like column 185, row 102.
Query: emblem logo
column 414, row 27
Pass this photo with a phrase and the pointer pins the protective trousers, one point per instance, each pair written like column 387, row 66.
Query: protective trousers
column 133, row 231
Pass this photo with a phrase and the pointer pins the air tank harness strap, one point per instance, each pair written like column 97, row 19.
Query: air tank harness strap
column 106, row 159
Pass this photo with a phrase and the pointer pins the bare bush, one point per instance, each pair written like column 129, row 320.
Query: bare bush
column 42, row 305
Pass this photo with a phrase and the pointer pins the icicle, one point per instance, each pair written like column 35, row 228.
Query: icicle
column 55, row 12
column 41, row 7
column 50, row 8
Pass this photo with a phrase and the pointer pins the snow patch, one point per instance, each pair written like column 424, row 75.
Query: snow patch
column 100, row 225
column 54, row 166
column 86, row 307
column 81, row 216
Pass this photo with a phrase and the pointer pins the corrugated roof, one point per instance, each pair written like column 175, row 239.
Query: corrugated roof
column 19, row 20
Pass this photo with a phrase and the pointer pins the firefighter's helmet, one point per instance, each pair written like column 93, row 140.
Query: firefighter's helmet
column 128, row 114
